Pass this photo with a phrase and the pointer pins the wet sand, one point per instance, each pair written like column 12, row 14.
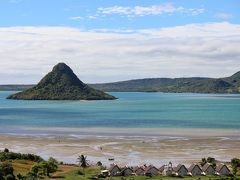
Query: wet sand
column 129, row 146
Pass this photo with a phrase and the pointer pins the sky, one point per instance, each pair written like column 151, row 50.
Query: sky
column 114, row 40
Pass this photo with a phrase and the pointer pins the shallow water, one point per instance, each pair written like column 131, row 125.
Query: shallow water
column 131, row 110
column 137, row 128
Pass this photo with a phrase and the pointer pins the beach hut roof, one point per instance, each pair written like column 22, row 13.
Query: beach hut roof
column 193, row 166
column 220, row 166
column 161, row 169
column 150, row 167
column 179, row 167
column 206, row 166
column 126, row 168
column 113, row 166
column 137, row 168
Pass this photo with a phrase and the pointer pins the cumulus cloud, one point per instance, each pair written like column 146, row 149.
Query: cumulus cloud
column 166, row 8
column 210, row 49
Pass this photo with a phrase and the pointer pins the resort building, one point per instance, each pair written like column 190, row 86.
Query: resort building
column 161, row 169
column 167, row 170
column 126, row 171
column 181, row 170
column 114, row 170
column 151, row 171
column 222, row 169
column 139, row 171
column 195, row 170
column 208, row 169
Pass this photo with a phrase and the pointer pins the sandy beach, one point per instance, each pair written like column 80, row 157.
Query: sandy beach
column 127, row 146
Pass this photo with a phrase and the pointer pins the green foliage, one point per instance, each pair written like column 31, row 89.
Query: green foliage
column 6, row 150
column 61, row 84
column 12, row 156
column 195, row 85
column 82, row 160
column 45, row 168
column 177, row 85
column 210, row 160
column 235, row 163
column 79, row 172
column 6, row 171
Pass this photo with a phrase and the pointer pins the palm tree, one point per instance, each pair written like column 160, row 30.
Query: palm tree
column 82, row 160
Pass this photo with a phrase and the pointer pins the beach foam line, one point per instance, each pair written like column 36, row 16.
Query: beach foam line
column 175, row 133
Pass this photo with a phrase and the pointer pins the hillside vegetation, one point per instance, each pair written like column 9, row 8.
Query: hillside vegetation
column 61, row 84
column 172, row 85
column 176, row 85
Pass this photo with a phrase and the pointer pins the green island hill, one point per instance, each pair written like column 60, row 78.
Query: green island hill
column 61, row 84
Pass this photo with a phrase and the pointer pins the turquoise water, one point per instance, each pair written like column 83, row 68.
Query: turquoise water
column 131, row 110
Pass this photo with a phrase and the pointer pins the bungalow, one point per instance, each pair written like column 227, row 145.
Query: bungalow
column 208, row 169
column 167, row 169
column 222, row 169
column 126, row 171
column 139, row 171
column 151, row 171
column 181, row 170
column 114, row 170
column 195, row 170
column 161, row 169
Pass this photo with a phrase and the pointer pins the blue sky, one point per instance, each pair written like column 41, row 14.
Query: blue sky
column 88, row 16
column 112, row 40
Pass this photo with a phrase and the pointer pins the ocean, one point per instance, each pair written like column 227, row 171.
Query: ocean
column 152, row 128
column 130, row 110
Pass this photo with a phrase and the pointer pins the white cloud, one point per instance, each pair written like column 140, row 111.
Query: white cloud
column 90, row 17
column 223, row 15
column 167, row 8
column 76, row 18
column 210, row 49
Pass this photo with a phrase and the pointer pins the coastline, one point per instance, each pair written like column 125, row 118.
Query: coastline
column 125, row 132
column 128, row 146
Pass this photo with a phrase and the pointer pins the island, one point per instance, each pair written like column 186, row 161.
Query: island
column 61, row 84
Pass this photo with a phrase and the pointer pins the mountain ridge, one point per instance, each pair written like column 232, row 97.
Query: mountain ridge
column 229, row 84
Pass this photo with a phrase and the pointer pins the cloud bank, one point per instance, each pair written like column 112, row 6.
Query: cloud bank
column 209, row 49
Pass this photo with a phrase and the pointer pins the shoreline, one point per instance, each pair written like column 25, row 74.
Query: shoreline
column 155, row 147
column 122, row 132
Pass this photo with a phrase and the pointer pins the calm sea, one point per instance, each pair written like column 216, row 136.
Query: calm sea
column 131, row 110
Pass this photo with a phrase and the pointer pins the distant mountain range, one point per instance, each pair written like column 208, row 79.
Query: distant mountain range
column 176, row 85
column 61, row 84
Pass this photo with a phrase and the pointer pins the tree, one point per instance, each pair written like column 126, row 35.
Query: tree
column 6, row 171
column 45, row 167
column 235, row 163
column 6, row 150
column 208, row 160
column 52, row 165
column 82, row 160
column 203, row 162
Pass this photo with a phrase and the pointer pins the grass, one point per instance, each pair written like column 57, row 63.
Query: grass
column 67, row 172
column 21, row 166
